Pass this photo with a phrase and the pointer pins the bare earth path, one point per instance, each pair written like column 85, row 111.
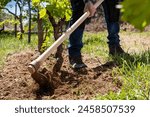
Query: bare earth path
column 16, row 82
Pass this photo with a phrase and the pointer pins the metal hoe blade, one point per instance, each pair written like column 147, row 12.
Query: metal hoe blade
column 41, row 78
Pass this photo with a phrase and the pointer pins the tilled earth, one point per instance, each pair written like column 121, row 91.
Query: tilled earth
column 17, row 83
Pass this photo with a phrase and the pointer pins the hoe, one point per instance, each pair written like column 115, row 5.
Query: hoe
column 33, row 67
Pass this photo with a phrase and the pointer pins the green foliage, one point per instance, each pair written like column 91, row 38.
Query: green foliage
column 7, row 19
column 19, row 34
column 36, row 2
column 47, row 42
column 59, row 12
column 58, row 8
column 9, row 22
column 4, row 16
column 42, row 12
column 137, row 12
column 33, row 27
column 4, row 2
column 48, row 37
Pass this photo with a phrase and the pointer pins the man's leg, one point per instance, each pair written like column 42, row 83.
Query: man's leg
column 112, row 19
column 75, row 39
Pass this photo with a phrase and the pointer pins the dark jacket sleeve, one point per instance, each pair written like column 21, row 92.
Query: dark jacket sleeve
column 85, row 1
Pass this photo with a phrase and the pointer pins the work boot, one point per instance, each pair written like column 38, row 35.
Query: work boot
column 116, row 50
column 76, row 62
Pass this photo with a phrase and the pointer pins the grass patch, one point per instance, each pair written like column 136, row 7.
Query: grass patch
column 96, row 45
column 135, row 75
column 133, row 70
column 10, row 44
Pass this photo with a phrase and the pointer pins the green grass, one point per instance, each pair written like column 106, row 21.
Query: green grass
column 10, row 44
column 134, row 70
column 135, row 76
column 96, row 45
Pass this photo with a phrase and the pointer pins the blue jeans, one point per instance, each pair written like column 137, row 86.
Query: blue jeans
column 112, row 20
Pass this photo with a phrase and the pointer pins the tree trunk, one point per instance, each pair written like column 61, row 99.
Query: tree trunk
column 40, row 34
column 3, row 28
column 15, row 19
column 57, row 33
column 58, row 54
column 20, row 19
column 21, row 25
column 29, row 29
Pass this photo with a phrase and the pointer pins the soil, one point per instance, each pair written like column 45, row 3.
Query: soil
column 17, row 83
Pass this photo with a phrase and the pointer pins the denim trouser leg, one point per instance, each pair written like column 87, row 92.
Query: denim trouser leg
column 75, row 39
column 75, row 43
column 112, row 20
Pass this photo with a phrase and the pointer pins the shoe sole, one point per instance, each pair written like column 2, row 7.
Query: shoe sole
column 78, row 67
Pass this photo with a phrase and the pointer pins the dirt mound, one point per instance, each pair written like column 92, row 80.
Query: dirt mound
column 17, row 83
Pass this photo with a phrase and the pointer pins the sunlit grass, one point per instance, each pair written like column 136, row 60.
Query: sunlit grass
column 96, row 45
column 134, row 70
column 10, row 44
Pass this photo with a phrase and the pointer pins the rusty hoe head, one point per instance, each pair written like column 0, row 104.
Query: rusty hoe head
column 38, row 76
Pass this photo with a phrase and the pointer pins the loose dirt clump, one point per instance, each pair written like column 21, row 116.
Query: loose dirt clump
column 17, row 83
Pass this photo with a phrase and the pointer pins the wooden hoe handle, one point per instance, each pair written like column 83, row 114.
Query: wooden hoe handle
column 34, row 65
